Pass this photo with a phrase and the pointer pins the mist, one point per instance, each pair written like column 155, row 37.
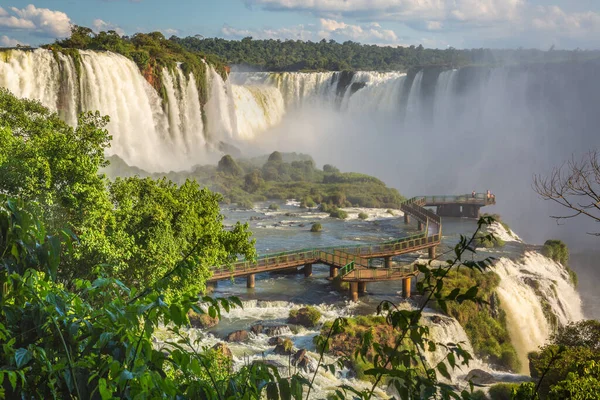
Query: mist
column 457, row 131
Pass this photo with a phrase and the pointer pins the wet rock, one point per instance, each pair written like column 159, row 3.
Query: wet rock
column 301, row 360
column 480, row 377
column 223, row 349
column 436, row 319
column 237, row 336
column 276, row 330
column 275, row 341
column 202, row 321
column 285, row 348
column 256, row 329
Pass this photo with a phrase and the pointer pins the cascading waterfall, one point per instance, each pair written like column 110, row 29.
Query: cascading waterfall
column 531, row 290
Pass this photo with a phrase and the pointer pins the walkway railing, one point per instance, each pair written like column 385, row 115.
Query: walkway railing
column 343, row 256
column 460, row 199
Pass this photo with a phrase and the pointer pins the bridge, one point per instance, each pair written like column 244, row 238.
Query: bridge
column 351, row 263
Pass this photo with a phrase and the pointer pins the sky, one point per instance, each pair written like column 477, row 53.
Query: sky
column 565, row 24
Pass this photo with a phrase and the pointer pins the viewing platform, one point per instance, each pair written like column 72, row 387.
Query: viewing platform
column 465, row 206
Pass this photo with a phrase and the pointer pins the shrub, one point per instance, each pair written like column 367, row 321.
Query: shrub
column 389, row 211
column 502, row 391
column 363, row 215
column 489, row 241
column 338, row 213
column 245, row 204
column 273, row 207
column 316, row 227
column 557, row 250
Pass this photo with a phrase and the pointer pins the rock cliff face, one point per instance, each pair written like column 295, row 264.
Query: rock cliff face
column 150, row 76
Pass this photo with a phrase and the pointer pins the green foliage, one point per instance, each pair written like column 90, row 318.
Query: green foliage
column 316, row 227
column 484, row 322
column 502, row 391
column 155, row 222
column 228, row 166
column 338, row 213
column 584, row 384
column 489, row 241
column 134, row 229
column 96, row 340
column 557, row 250
column 308, row 316
column 279, row 179
column 273, row 207
column 565, row 364
column 363, row 215
column 45, row 160
column 584, row 333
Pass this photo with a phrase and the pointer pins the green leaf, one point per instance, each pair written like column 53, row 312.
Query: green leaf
column 12, row 378
column 441, row 367
column 22, row 357
column 284, row 389
column 272, row 392
column 105, row 392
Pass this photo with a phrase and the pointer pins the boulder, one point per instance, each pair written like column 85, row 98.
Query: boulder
column 237, row 336
column 223, row 349
column 284, row 348
column 301, row 360
column 276, row 330
column 202, row 321
column 275, row 341
column 306, row 316
column 256, row 329
column 436, row 319
column 480, row 377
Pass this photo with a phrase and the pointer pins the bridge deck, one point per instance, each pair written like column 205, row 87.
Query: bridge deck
column 480, row 199
column 354, row 258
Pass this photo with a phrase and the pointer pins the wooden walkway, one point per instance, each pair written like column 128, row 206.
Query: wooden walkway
column 350, row 263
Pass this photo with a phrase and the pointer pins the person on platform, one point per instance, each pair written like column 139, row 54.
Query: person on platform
column 473, row 194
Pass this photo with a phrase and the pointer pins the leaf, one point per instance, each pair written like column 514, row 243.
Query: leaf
column 284, row 389
column 22, row 357
column 272, row 392
column 212, row 312
column 12, row 378
column 441, row 367
column 105, row 392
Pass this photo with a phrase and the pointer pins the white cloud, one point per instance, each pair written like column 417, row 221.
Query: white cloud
column 340, row 31
column 100, row 25
column 298, row 32
column 554, row 19
column 5, row 41
column 367, row 34
column 465, row 11
column 42, row 20
column 170, row 32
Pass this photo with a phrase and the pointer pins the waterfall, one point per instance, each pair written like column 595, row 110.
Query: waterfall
column 531, row 290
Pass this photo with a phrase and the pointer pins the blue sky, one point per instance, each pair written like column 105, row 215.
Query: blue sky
column 433, row 23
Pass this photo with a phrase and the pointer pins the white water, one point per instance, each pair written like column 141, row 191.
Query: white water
column 528, row 327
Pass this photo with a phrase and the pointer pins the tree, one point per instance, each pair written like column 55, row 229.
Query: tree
column 574, row 185
column 227, row 165
column 155, row 223
column 45, row 160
